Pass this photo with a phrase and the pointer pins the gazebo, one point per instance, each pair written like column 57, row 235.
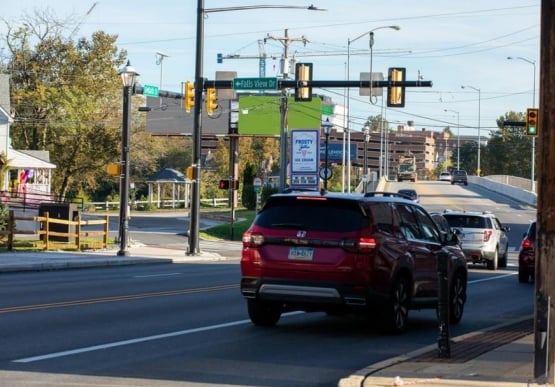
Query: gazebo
column 180, row 187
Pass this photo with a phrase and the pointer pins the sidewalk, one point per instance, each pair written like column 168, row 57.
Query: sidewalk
column 506, row 364
column 499, row 357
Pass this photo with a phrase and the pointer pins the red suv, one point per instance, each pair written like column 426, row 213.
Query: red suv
column 375, row 253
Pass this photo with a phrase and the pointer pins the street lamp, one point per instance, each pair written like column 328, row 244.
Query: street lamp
column 327, row 125
column 366, row 131
column 458, row 138
column 371, row 44
column 194, row 221
column 533, row 161
column 160, row 62
column 128, row 76
column 478, row 170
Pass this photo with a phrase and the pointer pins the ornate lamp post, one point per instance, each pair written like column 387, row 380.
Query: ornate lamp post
column 128, row 76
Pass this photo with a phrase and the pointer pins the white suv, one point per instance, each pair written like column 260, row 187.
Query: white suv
column 483, row 238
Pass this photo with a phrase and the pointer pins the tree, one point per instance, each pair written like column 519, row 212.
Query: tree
column 67, row 98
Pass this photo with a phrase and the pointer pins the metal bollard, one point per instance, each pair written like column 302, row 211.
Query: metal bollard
column 444, row 350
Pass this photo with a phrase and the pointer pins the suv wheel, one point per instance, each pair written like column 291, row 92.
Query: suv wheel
column 503, row 259
column 263, row 313
column 395, row 311
column 523, row 276
column 458, row 298
column 494, row 261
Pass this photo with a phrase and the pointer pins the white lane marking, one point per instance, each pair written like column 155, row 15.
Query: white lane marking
column 156, row 275
column 491, row 278
column 135, row 341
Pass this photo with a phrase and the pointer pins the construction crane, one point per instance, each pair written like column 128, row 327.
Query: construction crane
column 262, row 56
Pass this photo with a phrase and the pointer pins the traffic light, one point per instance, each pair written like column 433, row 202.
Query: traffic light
column 303, row 74
column 532, row 119
column 224, row 184
column 188, row 96
column 396, row 94
column 211, row 101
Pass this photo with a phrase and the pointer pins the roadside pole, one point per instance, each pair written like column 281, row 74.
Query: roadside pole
column 544, row 329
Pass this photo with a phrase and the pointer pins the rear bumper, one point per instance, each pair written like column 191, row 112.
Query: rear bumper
column 304, row 295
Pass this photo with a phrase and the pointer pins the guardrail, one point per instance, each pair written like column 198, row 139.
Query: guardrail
column 55, row 233
column 139, row 204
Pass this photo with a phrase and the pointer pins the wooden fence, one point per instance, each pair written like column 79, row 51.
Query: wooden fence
column 56, row 234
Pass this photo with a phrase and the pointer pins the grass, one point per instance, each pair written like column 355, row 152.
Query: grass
column 243, row 218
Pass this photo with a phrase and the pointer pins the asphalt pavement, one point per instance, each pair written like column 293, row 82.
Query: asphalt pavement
column 501, row 356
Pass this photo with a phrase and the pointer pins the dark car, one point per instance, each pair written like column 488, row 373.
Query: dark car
column 459, row 176
column 527, row 255
column 410, row 194
column 337, row 253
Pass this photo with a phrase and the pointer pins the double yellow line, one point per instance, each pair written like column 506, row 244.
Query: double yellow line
column 65, row 304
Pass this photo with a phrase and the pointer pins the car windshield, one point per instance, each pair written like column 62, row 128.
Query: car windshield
column 408, row 192
column 468, row 221
column 315, row 215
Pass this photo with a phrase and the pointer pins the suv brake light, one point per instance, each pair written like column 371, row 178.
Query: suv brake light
column 487, row 235
column 252, row 240
column 366, row 244
column 526, row 244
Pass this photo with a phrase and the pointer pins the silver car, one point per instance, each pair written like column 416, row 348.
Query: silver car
column 483, row 238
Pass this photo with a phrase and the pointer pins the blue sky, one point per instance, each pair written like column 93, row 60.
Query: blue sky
column 449, row 43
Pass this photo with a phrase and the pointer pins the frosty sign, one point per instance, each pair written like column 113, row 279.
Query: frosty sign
column 305, row 158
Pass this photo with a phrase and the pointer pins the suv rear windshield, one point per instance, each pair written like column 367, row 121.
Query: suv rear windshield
column 468, row 221
column 315, row 214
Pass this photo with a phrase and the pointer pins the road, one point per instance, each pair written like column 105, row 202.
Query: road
column 186, row 324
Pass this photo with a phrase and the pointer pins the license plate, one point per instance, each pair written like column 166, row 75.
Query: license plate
column 301, row 253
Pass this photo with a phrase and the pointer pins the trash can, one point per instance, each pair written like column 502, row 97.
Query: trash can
column 63, row 211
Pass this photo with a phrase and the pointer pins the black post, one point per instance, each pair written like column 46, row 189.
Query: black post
column 194, row 221
column 365, row 172
column 326, row 160
column 444, row 350
column 124, row 191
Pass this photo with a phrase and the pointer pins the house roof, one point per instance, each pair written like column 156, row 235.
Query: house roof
column 19, row 159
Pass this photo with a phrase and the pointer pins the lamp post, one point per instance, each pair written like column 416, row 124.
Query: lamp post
column 478, row 170
column 327, row 125
column 533, row 156
column 458, row 138
column 371, row 44
column 128, row 76
column 366, row 141
column 194, row 221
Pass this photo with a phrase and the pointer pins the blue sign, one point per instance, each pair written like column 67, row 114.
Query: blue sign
column 335, row 152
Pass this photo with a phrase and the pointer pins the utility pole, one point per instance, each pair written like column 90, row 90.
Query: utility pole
column 286, row 40
column 544, row 311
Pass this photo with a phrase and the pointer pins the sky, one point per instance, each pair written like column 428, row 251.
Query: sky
column 450, row 43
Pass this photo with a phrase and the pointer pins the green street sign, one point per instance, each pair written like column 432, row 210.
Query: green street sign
column 150, row 91
column 255, row 83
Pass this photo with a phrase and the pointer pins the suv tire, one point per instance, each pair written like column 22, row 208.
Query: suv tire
column 396, row 310
column 263, row 313
column 458, row 298
column 493, row 263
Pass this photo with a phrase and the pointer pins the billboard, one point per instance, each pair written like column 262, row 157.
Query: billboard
column 259, row 114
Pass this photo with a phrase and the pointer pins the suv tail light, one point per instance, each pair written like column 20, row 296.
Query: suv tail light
column 526, row 244
column 366, row 244
column 487, row 235
column 252, row 240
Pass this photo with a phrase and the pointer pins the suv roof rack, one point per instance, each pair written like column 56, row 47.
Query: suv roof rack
column 385, row 194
